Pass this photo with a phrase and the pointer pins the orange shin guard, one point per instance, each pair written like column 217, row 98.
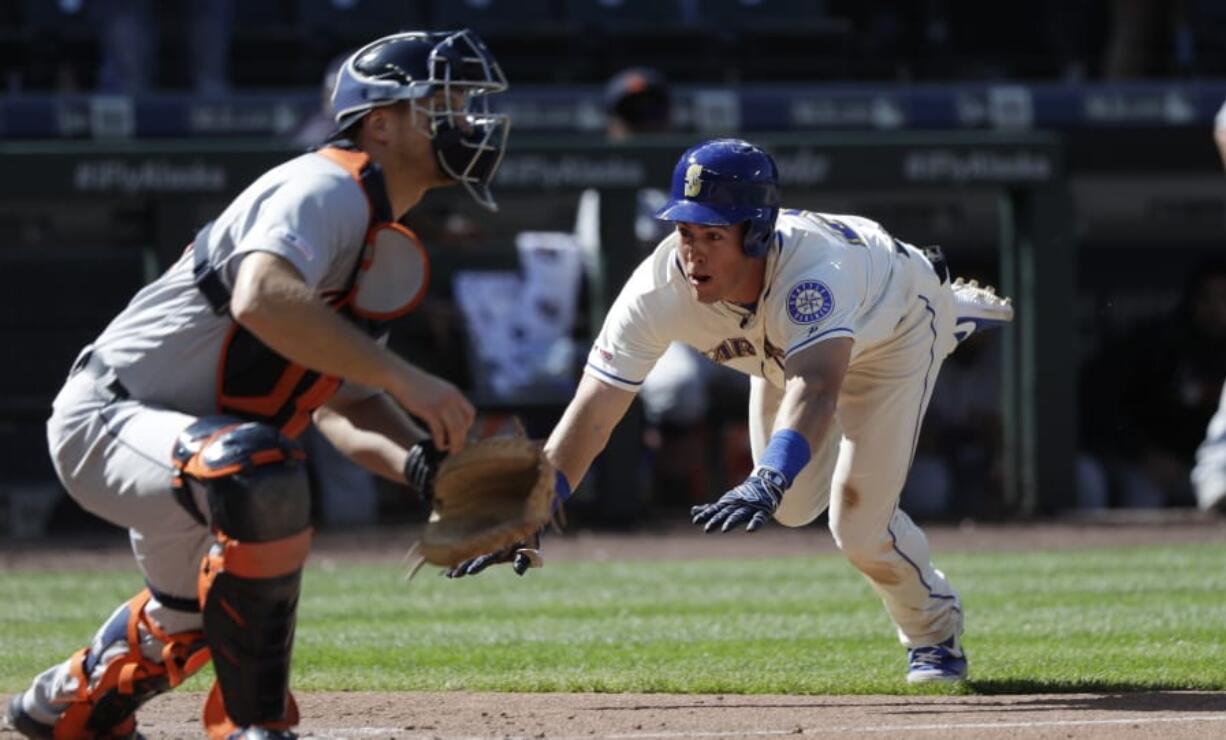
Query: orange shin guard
column 249, row 595
column 108, row 707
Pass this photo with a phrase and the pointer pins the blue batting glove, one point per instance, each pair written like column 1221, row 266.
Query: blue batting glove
column 754, row 501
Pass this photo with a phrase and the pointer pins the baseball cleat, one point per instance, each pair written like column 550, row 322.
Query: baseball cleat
column 17, row 720
column 943, row 663
column 978, row 308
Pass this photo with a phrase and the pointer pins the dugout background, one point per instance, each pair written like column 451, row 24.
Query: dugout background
column 1059, row 223
column 1060, row 150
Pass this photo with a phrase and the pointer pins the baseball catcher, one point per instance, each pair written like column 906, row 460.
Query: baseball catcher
column 181, row 420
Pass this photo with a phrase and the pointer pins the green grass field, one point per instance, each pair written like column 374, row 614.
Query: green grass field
column 1103, row 620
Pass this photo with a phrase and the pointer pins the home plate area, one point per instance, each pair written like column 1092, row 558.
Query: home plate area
column 645, row 716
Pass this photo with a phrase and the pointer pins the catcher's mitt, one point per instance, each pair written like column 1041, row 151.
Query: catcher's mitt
column 496, row 492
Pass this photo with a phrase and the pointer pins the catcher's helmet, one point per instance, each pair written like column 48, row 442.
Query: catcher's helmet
column 723, row 182
column 414, row 66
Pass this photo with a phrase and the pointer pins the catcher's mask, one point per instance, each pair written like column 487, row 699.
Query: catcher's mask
column 416, row 65
column 393, row 274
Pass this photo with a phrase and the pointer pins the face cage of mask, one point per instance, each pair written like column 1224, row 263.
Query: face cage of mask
column 471, row 154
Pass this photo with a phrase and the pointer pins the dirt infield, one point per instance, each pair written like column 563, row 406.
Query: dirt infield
column 644, row 717
column 1174, row 715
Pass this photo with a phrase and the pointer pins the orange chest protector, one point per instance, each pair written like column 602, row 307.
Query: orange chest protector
column 388, row 280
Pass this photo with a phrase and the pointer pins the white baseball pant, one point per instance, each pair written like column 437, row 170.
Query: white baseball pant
column 864, row 462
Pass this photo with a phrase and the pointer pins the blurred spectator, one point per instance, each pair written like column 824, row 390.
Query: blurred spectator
column 637, row 101
column 822, row 40
column 129, row 45
column 1149, row 395
column 1141, row 41
column 131, row 31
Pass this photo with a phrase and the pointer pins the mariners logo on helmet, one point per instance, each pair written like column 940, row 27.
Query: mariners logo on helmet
column 810, row 301
column 693, row 181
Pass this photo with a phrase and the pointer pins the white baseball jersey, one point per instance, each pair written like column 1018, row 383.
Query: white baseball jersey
column 827, row 276
column 166, row 344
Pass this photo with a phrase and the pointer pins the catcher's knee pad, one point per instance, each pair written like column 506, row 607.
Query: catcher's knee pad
column 259, row 510
column 254, row 476
column 114, row 676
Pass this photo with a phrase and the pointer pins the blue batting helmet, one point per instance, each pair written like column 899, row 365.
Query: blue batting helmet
column 723, row 182
column 414, row 66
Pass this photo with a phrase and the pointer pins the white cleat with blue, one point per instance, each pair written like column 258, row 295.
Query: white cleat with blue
column 942, row 663
column 978, row 308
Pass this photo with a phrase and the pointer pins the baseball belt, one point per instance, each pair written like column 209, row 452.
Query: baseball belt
column 101, row 373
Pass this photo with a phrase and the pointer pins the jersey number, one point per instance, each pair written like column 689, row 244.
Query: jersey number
column 849, row 234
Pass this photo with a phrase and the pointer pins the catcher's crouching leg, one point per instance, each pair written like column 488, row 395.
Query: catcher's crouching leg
column 130, row 660
column 259, row 503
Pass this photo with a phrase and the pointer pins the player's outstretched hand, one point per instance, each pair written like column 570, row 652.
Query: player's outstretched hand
column 521, row 556
column 754, row 501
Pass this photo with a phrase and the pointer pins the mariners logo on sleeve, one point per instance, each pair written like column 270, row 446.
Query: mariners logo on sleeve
column 810, row 301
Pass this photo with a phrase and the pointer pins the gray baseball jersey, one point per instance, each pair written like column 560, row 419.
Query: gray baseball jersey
column 113, row 452
column 165, row 346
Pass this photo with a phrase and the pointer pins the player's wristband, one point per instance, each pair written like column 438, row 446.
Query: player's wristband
column 788, row 452
column 561, row 490
column 561, row 487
